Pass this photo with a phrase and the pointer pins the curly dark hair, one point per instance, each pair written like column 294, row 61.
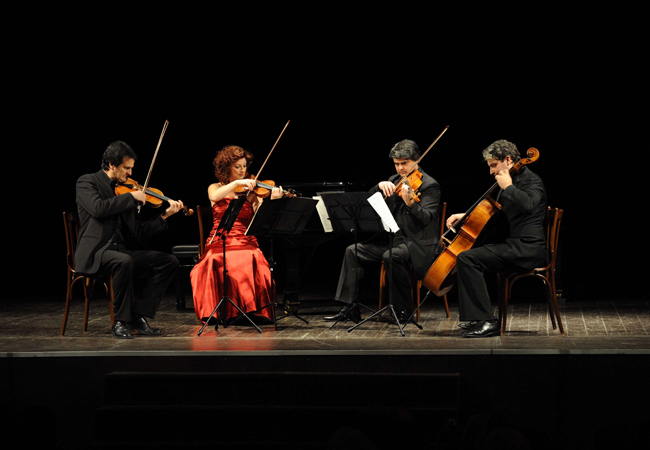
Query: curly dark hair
column 226, row 157
column 406, row 149
column 500, row 149
column 115, row 154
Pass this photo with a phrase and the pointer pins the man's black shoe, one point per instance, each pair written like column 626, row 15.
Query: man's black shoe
column 348, row 312
column 468, row 325
column 484, row 329
column 140, row 324
column 121, row 331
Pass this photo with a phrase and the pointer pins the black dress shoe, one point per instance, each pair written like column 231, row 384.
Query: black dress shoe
column 121, row 331
column 348, row 312
column 140, row 324
column 468, row 325
column 484, row 329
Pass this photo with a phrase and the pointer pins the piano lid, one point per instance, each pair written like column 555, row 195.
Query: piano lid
column 311, row 188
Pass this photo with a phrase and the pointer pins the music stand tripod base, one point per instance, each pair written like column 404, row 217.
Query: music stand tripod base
column 227, row 221
column 290, row 305
column 354, row 305
column 378, row 313
column 216, row 327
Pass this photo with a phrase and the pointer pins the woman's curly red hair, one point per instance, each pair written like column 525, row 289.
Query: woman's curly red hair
column 226, row 157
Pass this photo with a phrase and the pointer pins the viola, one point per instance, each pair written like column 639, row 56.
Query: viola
column 440, row 277
column 154, row 196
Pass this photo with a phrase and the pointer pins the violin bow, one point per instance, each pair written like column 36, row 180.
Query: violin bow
column 269, row 155
column 162, row 134
column 423, row 154
column 146, row 183
column 260, row 171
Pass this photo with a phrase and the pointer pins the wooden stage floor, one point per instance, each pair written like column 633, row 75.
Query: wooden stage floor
column 590, row 326
column 431, row 387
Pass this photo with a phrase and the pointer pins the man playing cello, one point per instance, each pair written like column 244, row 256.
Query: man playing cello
column 414, row 244
column 523, row 200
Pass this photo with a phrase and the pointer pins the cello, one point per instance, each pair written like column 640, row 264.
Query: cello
column 440, row 277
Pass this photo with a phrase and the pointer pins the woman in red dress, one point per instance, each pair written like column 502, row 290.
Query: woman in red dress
column 248, row 269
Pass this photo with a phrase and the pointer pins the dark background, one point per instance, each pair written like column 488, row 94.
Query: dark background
column 353, row 80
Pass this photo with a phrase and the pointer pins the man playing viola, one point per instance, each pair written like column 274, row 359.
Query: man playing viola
column 414, row 245
column 523, row 201
column 109, row 242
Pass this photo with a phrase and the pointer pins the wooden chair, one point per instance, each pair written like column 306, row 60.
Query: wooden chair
column 71, row 224
column 546, row 274
column 415, row 282
column 203, row 214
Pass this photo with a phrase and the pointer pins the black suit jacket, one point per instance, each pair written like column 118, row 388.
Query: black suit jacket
column 418, row 224
column 524, row 205
column 100, row 213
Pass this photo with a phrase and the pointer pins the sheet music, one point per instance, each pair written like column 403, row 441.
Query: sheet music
column 379, row 205
column 322, row 213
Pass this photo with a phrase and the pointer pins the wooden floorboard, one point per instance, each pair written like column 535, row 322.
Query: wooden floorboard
column 34, row 326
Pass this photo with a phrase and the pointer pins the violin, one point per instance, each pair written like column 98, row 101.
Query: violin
column 440, row 277
column 263, row 189
column 414, row 180
column 154, row 196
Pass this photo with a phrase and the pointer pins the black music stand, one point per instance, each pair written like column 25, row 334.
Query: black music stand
column 389, row 306
column 225, row 225
column 284, row 216
column 351, row 213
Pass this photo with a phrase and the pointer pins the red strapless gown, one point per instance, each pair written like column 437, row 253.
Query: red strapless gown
column 248, row 270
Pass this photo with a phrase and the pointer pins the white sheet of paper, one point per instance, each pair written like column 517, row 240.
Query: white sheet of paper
column 322, row 213
column 379, row 204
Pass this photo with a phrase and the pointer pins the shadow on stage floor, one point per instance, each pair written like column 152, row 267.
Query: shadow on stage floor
column 309, row 385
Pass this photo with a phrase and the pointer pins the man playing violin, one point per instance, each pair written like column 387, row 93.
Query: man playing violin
column 414, row 245
column 110, row 242
column 523, row 200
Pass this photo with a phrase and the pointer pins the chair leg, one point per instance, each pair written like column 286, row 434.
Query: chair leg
column 503, row 315
column 549, row 302
column 554, row 299
column 382, row 285
column 500, row 282
column 87, row 304
column 111, row 299
column 418, row 287
column 557, row 315
column 554, row 308
column 68, row 295
column 447, row 306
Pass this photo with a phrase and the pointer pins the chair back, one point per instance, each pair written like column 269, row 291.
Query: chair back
column 71, row 226
column 443, row 217
column 203, row 214
column 553, row 225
